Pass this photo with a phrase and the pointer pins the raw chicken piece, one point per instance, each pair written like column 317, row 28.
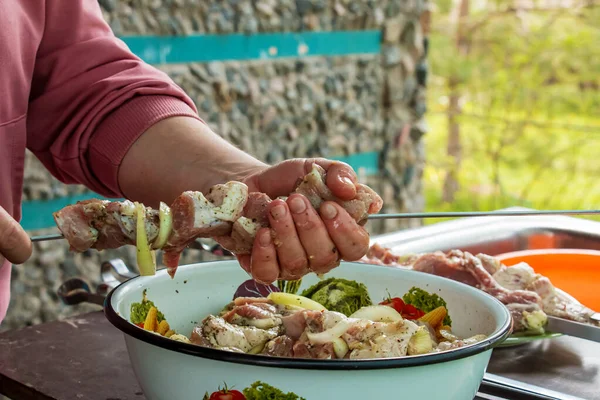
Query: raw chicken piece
column 243, row 232
column 101, row 224
column 220, row 334
column 367, row 339
column 314, row 187
column 195, row 215
column 447, row 345
column 304, row 349
column 517, row 277
column 316, row 322
column 382, row 256
column 259, row 315
column 281, row 346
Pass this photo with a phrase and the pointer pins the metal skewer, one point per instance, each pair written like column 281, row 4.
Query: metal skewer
column 43, row 238
column 459, row 214
column 462, row 214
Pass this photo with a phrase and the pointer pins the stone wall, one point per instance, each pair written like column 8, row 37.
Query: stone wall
column 313, row 106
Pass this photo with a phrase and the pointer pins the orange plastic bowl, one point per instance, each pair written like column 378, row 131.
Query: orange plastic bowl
column 575, row 271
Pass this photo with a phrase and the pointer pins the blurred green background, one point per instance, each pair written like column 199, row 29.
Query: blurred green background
column 513, row 105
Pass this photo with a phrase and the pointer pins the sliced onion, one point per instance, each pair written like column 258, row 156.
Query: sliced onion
column 330, row 334
column 378, row 314
column 288, row 299
column 257, row 349
column 165, row 227
column 340, row 347
column 145, row 260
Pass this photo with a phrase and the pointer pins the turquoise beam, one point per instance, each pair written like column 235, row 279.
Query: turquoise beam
column 367, row 163
column 37, row 214
column 262, row 46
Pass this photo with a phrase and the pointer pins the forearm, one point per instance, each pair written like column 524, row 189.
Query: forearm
column 179, row 154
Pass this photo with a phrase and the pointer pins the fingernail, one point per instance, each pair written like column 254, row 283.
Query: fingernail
column 297, row 205
column 278, row 211
column 347, row 181
column 328, row 211
column 265, row 239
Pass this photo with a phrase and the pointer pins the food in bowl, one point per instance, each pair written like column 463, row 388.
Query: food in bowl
column 227, row 211
column 262, row 320
column 169, row 368
column 529, row 296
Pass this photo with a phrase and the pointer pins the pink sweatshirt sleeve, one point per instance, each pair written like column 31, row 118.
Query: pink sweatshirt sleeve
column 91, row 98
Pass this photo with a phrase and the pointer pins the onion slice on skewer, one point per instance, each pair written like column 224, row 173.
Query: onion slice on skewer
column 145, row 258
column 165, row 227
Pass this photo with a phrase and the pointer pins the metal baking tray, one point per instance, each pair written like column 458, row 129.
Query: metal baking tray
column 496, row 235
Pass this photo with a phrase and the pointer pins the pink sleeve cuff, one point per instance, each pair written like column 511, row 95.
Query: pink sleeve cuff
column 116, row 134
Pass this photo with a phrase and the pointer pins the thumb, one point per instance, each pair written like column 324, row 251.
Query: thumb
column 281, row 179
column 15, row 244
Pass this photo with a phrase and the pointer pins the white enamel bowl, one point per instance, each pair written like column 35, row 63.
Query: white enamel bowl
column 168, row 370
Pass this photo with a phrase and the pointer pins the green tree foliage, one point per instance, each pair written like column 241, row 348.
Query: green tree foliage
column 529, row 90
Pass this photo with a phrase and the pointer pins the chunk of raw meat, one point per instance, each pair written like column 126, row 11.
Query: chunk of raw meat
column 522, row 290
column 222, row 335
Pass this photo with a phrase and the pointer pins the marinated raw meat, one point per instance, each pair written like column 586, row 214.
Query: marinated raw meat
column 195, row 215
column 222, row 335
column 313, row 186
column 259, row 315
column 227, row 213
column 368, row 339
column 286, row 331
column 289, row 325
column 101, row 224
column 528, row 296
column 281, row 346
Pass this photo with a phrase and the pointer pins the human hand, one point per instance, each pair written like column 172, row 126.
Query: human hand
column 15, row 244
column 301, row 239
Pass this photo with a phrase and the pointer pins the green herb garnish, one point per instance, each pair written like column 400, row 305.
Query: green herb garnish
column 262, row 391
column 425, row 302
column 139, row 311
column 341, row 295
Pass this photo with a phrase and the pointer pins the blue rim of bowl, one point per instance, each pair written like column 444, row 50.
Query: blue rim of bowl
column 298, row 363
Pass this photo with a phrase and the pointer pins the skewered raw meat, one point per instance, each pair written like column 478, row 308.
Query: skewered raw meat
column 528, row 296
column 102, row 224
column 316, row 191
column 227, row 212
